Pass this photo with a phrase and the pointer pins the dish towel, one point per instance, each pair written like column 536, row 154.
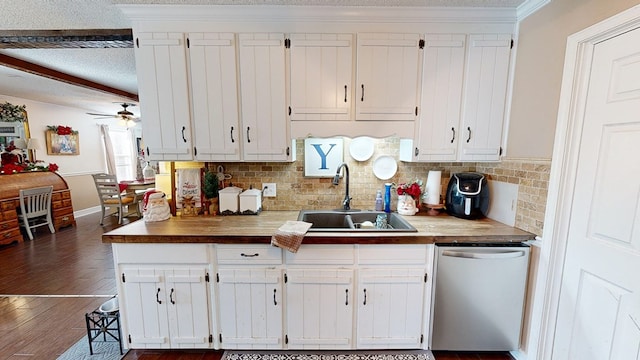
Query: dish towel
column 289, row 236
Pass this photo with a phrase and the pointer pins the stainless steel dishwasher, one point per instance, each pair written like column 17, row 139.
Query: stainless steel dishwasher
column 479, row 296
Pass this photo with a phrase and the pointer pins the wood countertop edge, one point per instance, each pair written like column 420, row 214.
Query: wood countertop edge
column 258, row 230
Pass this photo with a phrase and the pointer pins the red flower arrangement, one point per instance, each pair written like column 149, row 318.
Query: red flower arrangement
column 62, row 130
column 413, row 189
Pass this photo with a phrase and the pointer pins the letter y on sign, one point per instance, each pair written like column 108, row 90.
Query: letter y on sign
column 322, row 156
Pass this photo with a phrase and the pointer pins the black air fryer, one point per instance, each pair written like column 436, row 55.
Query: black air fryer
column 467, row 195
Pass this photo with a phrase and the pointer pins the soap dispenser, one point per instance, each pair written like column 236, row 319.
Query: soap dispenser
column 379, row 200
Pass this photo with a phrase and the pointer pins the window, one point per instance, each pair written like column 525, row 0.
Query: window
column 124, row 153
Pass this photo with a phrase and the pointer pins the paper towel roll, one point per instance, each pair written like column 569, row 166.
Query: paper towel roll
column 433, row 187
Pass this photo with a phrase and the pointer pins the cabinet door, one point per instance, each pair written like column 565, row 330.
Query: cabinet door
column 388, row 73
column 250, row 302
column 320, row 308
column 214, row 95
column 320, row 76
column 166, row 307
column 443, row 72
column 485, row 97
column 187, row 306
column 161, row 66
column 265, row 126
column 144, row 310
column 390, row 308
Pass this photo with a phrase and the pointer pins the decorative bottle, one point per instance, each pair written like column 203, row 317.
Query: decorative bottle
column 148, row 172
column 387, row 197
column 379, row 202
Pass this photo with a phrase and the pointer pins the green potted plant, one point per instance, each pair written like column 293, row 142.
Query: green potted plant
column 210, row 190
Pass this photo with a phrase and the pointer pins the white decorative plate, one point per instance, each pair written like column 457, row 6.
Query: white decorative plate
column 385, row 167
column 361, row 148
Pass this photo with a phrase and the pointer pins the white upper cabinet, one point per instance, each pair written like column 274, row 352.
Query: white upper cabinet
column 442, row 80
column 320, row 76
column 388, row 71
column 265, row 125
column 463, row 102
column 485, row 97
column 161, row 66
column 214, row 94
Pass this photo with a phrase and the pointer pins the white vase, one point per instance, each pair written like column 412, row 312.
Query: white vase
column 406, row 205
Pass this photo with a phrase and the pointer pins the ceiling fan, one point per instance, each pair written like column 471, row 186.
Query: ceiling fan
column 126, row 117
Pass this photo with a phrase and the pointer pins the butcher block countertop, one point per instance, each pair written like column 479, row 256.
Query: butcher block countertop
column 258, row 229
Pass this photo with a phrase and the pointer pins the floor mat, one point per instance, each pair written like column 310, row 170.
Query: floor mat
column 328, row 355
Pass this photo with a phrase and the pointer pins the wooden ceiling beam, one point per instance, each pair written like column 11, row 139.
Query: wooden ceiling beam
column 66, row 39
column 49, row 73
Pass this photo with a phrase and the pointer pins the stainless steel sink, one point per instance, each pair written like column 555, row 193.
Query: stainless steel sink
column 352, row 221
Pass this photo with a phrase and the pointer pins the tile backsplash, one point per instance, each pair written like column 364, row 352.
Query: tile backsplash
column 295, row 191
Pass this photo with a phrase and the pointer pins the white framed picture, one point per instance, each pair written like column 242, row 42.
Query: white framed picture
column 322, row 156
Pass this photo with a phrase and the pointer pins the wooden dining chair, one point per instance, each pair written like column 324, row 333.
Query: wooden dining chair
column 35, row 209
column 111, row 198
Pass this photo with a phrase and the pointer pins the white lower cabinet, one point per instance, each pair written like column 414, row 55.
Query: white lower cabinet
column 166, row 306
column 250, row 303
column 319, row 308
column 390, row 302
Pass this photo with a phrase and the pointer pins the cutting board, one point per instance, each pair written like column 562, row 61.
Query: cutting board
column 503, row 202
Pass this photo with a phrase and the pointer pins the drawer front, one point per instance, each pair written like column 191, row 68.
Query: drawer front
column 57, row 212
column 10, row 224
column 393, row 254
column 9, row 236
column 63, row 220
column 8, row 215
column 322, row 255
column 248, row 254
column 56, row 196
column 66, row 194
column 9, row 205
column 56, row 204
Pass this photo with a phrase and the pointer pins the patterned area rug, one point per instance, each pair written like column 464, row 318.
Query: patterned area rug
column 102, row 350
column 328, row 355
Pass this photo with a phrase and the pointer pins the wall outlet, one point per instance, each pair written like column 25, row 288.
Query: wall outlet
column 269, row 189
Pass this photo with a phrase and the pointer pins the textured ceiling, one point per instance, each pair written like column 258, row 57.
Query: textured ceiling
column 116, row 67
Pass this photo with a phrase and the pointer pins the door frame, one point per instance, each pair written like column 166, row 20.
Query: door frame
column 564, row 164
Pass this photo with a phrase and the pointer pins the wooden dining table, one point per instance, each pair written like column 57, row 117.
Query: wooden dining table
column 131, row 186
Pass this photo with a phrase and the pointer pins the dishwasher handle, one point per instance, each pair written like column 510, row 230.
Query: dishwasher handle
column 483, row 255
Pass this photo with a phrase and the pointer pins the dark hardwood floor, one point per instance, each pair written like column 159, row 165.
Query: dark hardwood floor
column 48, row 284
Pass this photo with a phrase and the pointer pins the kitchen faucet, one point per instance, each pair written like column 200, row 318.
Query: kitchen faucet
column 336, row 179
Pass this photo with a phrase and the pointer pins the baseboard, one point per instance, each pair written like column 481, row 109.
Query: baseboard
column 87, row 211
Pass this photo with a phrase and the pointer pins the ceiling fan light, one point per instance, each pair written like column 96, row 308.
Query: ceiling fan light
column 131, row 123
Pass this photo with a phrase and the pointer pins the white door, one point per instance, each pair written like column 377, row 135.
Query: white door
column 388, row 72
column 145, row 308
column 161, row 65
column 390, row 308
column 265, row 125
column 441, row 102
column 320, row 76
column 250, row 302
column 188, row 306
column 216, row 122
column 599, row 306
column 319, row 309
column 484, row 97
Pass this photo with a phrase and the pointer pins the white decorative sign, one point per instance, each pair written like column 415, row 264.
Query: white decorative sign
column 322, row 156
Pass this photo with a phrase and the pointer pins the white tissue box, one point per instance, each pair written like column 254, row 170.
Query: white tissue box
column 251, row 201
column 229, row 201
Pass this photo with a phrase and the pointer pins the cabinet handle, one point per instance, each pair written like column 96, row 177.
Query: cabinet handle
column 4, row 226
column 248, row 138
column 274, row 297
column 346, row 296
column 453, row 137
column 232, row 140
column 365, row 297
column 249, row 255
column 417, row 151
column 6, row 235
column 345, row 93
column 362, row 97
column 184, row 138
column 158, row 297
column 171, row 297
column 469, row 130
